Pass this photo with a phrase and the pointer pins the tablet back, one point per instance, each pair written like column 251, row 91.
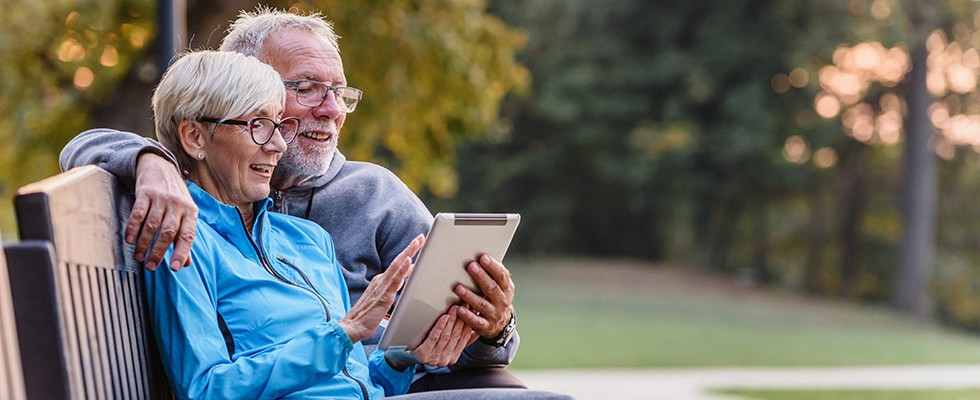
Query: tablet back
column 453, row 241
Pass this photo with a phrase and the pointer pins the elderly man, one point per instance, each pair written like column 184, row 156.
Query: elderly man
column 369, row 212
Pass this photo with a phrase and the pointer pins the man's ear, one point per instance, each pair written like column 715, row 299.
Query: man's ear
column 191, row 137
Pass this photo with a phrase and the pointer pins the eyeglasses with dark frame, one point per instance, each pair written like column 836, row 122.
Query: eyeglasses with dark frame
column 261, row 129
column 312, row 93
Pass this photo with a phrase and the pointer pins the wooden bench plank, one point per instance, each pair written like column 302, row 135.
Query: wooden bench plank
column 11, row 374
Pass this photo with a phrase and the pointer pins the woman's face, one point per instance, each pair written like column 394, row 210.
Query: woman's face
column 235, row 170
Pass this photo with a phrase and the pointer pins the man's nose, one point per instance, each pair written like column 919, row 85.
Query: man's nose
column 329, row 108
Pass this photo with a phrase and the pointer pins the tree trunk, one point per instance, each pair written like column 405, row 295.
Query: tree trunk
column 919, row 189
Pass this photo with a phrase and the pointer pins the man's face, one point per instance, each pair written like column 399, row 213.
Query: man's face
column 298, row 55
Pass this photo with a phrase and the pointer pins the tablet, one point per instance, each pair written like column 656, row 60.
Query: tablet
column 453, row 241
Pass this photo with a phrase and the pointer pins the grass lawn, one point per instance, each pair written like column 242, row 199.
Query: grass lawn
column 855, row 394
column 602, row 313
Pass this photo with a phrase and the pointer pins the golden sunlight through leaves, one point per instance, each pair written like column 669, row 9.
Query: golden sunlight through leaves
column 796, row 150
column 825, row 157
column 71, row 51
column 110, row 57
column 83, row 78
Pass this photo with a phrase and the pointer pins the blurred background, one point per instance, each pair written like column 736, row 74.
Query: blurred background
column 747, row 182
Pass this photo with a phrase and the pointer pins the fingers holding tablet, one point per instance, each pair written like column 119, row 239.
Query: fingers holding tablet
column 445, row 342
column 490, row 313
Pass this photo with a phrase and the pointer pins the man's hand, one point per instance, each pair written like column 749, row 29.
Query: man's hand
column 163, row 208
column 490, row 313
column 365, row 316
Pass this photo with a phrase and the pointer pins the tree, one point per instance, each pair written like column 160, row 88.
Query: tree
column 433, row 73
column 652, row 128
column 919, row 189
column 57, row 59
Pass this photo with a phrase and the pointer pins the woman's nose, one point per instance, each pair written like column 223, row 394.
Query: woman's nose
column 277, row 143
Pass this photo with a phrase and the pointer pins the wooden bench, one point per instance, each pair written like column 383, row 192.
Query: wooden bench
column 11, row 376
column 78, row 295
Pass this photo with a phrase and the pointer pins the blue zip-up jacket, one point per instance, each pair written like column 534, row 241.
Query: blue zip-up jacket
column 256, row 316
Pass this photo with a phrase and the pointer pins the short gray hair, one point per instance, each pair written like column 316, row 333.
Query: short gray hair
column 248, row 33
column 211, row 84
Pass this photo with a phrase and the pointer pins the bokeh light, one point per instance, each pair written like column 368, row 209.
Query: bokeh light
column 951, row 77
column 796, row 150
column 110, row 57
column 71, row 51
column 83, row 78
column 825, row 157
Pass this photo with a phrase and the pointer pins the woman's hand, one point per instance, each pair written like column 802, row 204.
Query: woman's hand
column 365, row 316
column 446, row 340
column 442, row 347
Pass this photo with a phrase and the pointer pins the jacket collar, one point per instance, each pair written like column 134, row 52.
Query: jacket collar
column 223, row 218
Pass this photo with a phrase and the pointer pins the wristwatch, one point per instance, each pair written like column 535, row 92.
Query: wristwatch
column 505, row 334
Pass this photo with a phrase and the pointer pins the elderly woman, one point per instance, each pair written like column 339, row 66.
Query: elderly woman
column 263, row 312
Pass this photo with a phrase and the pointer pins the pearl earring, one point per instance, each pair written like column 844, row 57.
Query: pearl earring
column 200, row 155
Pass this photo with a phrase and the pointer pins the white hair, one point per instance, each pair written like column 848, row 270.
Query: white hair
column 248, row 33
column 212, row 84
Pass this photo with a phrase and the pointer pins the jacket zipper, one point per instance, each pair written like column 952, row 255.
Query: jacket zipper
column 363, row 389
column 324, row 303
column 265, row 263
column 309, row 288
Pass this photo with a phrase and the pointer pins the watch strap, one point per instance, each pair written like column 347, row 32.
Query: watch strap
column 505, row 334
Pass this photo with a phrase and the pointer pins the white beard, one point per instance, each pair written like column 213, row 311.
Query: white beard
column 300, row 163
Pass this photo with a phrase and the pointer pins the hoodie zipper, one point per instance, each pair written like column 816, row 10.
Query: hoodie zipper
column 277, row 202
column 268, row 267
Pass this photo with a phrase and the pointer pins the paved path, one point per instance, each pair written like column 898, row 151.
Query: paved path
column 695, row 384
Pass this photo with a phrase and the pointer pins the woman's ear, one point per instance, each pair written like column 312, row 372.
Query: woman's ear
column 192, row 137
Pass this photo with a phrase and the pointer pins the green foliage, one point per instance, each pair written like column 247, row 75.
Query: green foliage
column 647, row 120
column 957, row 284
column 433, row 73
column 57, row 59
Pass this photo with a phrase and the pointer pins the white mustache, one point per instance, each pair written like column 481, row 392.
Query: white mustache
column 328, row 127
